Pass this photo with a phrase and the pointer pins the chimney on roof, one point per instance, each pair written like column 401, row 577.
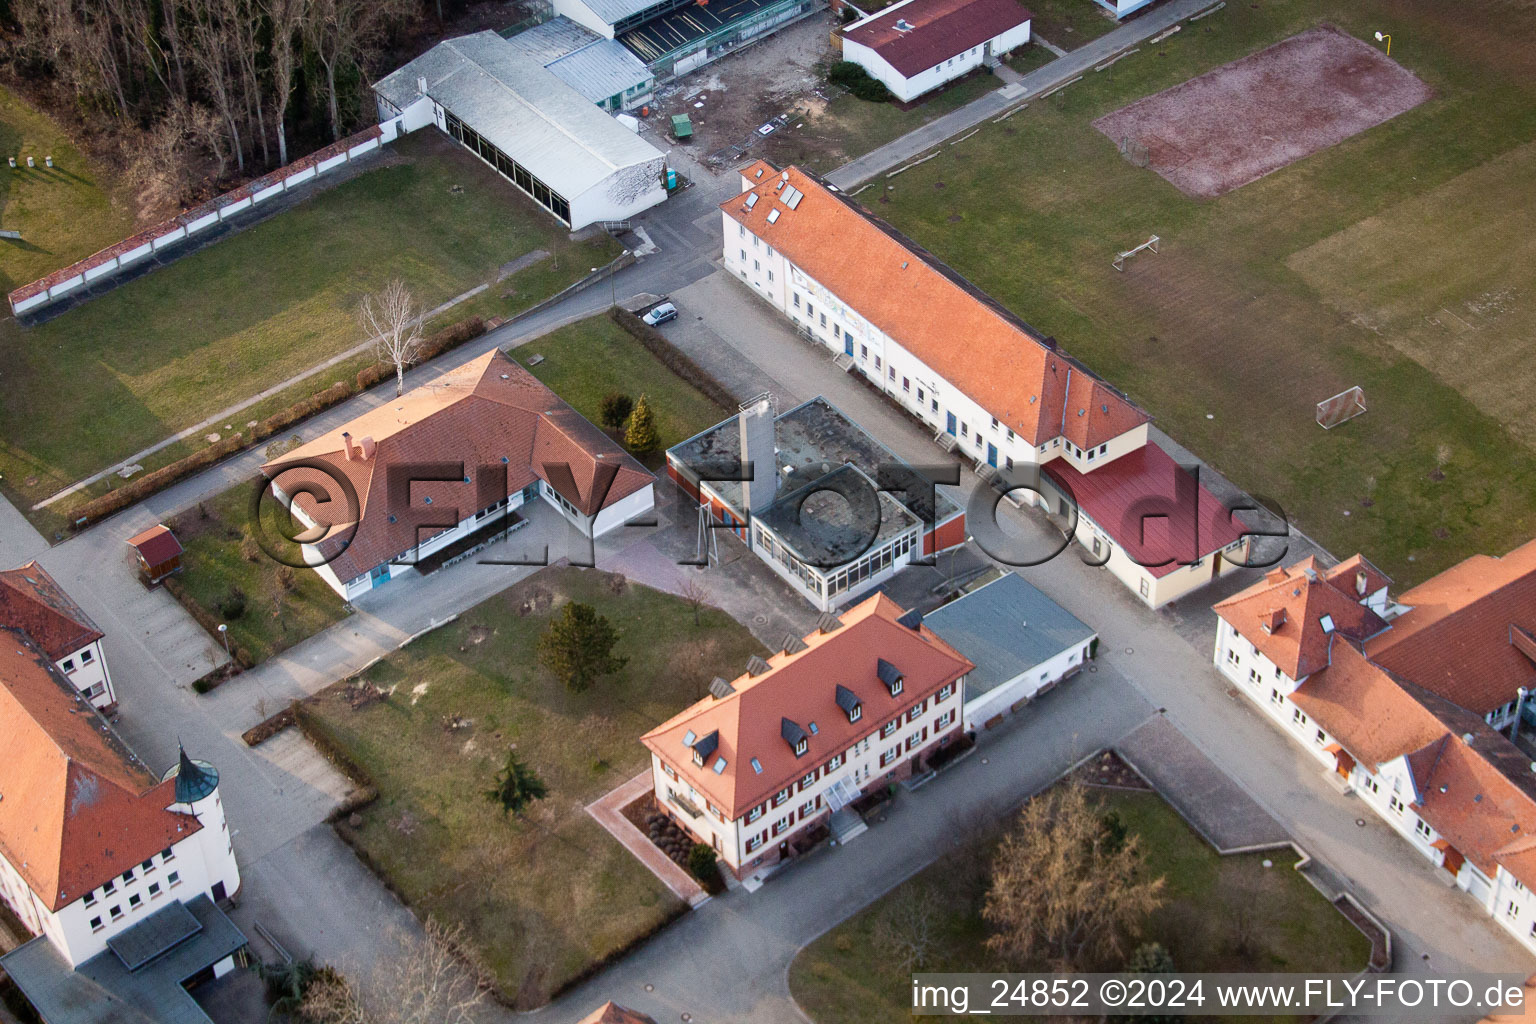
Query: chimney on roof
column 757, row 457
column 1360, row 582
column 1273, row 620
column 366, row 446
column 421, row 84
column 346, row 446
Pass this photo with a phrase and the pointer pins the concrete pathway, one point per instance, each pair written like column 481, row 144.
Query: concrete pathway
column 608, row 811
column 1063, row 69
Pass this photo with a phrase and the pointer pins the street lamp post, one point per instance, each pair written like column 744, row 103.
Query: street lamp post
column 613, row 287
column 224, row 635
column 1385, row 37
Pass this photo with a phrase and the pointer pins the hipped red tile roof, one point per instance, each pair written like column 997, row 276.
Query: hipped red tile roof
column 940, row 29
column 1158, row 513
column 994, row 358
column 33, row 602
column 613, row 1013
column 487, row 417
column 802, row 687
column 1457, row 639
column 1365, row 709
column 76, row 808
column 1295, row 601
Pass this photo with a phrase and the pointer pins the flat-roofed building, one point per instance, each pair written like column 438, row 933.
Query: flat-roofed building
column 830, row 509
column 1022, row 643
column 541, row 134
column 599, row 68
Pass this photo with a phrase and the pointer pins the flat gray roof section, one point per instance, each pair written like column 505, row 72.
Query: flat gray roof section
column 102, row 990
column 1006, row 628
column 522, row 109
column 811, row 440
column 154, row 935
column 827, row 532
column 594, row 66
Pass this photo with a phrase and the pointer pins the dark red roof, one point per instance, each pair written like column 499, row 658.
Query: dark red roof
column 33, row 602
column 156, row 545
column 940, row 29
column 1151, row 507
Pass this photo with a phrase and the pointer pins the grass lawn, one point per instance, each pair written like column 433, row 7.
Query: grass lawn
column 1389, row 261
column 64, row 212
column 842, row 978
column 1069, row 23
column 164, row 351
column 847, row 127
column 546, row 898
column 591, row 358
column 275, row 617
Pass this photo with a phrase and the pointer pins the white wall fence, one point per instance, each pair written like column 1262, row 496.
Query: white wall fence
column 162, row 236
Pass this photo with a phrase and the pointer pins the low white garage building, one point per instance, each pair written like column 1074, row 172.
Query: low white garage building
column 1021, row 642
column 915, row 46
column 520, row 117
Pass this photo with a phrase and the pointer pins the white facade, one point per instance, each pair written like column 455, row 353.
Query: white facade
column 745, row 841
column 608, row 518
column 87, row 669
column 818, row 312
column 201, row 864
column 907, row 88
column 833, row 587
column 982, row 708
column 1388, row 789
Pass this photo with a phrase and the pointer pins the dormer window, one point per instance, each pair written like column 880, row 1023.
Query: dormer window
column 795, row 736
column 890, row 676
column 704, row 747
column 849, row 702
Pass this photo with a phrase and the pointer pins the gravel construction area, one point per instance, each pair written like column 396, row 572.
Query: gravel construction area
column 1230, row 126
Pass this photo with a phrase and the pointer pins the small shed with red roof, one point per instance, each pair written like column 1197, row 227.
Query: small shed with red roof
column 916, row 46
column 158, row 552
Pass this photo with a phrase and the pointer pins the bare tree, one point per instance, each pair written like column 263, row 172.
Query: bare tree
column 348, row 31
column 393, row 320
column 1060, row 892
column 211, row 50
column 696, row 594
column 426, row 983
column 286, row 18
column 159, row 161
column 1251, row 912
column 905, row 931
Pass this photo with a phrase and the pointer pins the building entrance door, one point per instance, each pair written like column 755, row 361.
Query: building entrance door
column 950, row 425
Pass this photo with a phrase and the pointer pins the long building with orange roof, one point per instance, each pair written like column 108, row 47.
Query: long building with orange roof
column 990, row 388
column 753, row 769
column 1406, row 702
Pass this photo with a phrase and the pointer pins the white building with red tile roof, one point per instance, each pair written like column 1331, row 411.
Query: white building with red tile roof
column 449, row 463
column 91, row 841
column 1403, row 701
column 33, row 602
column 990, row 387
column 754, row 768
column 915, row 46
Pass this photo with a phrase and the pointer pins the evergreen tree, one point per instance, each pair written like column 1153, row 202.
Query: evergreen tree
column 578, row 646
column 640, row 436
column 516, row 786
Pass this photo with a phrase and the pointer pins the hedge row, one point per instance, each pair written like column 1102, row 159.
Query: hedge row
column 431, row 347
column 673, row 358
column 157, row 480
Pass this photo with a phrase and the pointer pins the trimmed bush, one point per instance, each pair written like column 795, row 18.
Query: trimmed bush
column 856, row 80
column 672, row 358
column 135, row 491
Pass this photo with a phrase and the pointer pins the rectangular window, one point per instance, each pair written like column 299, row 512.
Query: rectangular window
column 1396, row 806
column 944, row 720
column 823, row 319
column 115, row 912
column 757, row 265
column 68, row 664
column 154, row 889
column 1422, row 830
column 837, row 330
column 755, row 813
column 863, row 351
column 754, row 843
column 877, row 362
column 890, row 729
column 944, row 693
column 96, row 924
column 90, row 898
column 109, row 887
column 808, row 781
column 834, row 762
column 86, row 657
column 1298, row 717
column 134, row 901
column 807, row 809
column 889, row 756
column 797, row 300
column 174, row 878
column 920, row 396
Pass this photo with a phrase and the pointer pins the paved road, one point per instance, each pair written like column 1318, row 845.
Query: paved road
column 993, row 104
